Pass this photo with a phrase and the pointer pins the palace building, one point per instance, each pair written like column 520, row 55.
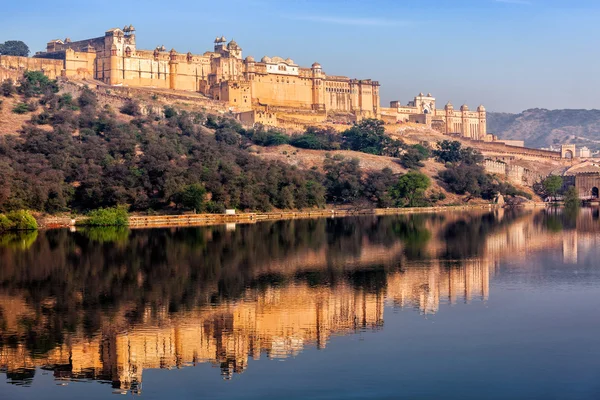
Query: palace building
column 222, row 74
column 272, row 91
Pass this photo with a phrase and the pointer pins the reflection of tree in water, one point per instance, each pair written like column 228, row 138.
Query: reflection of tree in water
column 90, row 274
column 465, row 238
column 18, row 240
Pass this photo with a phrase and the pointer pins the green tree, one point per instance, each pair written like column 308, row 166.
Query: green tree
column 342, row 179
column 572, row 198
column 410, row 189
column 14, row 48
column 367, row 136
column 193, row 197
column 447, row 151
column 552, row 185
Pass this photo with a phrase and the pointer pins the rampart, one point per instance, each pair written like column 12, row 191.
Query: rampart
column 12, row 67
column 513, row 173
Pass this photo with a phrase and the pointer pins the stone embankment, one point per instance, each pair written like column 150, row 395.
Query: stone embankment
column 156, row 221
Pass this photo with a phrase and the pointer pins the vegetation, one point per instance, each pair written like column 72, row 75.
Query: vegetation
column 113, row 216
column 7, row 88
column 193, row 197
column 413, row 156
column 14, row 48
column 409, row 191
column 464, row 174
column 552, row 185
column 317, row 139
column 572, row 198
column 20, row 220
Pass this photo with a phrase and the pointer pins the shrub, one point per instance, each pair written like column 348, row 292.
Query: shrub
column 4, row 223
column 131, row 107
column 7, row 88
column 114, row 216
column 21, row 108
column 21, row 221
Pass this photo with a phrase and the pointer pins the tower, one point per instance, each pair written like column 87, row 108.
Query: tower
column 234, row 49
column 482, row 122
column 317, row 88
column 449, row 108
column 173, row 69
column 220, row 43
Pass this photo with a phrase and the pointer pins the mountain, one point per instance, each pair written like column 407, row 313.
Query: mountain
column 539, row 127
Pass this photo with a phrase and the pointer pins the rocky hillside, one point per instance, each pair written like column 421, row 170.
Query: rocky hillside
column 542, row 128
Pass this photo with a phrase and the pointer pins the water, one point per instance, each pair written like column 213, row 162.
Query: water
column 456, row 306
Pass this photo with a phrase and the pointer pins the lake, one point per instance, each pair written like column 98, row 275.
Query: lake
column 457, row 305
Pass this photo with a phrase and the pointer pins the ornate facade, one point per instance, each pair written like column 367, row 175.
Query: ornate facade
column 422, row 109
column 222, row 74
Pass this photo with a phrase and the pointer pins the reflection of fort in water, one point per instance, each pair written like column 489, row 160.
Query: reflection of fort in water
column 277, row 321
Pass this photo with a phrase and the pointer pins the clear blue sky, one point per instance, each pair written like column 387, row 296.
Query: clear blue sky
column 509, row 55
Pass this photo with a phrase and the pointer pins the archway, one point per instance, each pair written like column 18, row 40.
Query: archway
column 568, row 154
column 595, row 193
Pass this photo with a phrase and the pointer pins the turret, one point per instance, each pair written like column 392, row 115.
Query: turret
column 318, row 87
column 173, row 69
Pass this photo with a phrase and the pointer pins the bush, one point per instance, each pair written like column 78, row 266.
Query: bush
column 4, row 223
column 21, row 108
column 21, row 221
column 114, row 216
column 7, row 88
column 131, row 107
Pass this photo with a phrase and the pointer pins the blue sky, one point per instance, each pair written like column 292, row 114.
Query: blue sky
column 509, row 55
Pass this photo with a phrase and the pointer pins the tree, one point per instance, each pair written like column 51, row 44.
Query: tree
column 14, row 48
column 410, row 188
column 412, row 157
column 572, row 198
column 366, row 136
column 552, row 185
column 193, row 196
column 342, row 179
column 447, row 151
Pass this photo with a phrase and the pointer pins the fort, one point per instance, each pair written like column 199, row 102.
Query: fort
column 271, row 91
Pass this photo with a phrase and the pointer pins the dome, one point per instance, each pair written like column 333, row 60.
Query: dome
column 172, row 51
column 232, row 45
column 266, row 59
column 481, row 108
column 421, row 94
column 131, row 28
column 428, row 94
column 217, row 39
column 222, row 39
column 464, row 107
column 249, row 59
column 449, row 106
column 289, row 61
column 316, row 65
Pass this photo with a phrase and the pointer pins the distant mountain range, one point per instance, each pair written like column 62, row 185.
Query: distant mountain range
column 539, row 127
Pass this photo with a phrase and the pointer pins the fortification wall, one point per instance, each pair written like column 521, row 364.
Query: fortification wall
column 13, row 67
column 513, row 173
column 512, row 152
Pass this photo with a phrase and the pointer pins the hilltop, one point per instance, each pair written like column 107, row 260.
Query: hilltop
column 542, row 128
column 68, row 147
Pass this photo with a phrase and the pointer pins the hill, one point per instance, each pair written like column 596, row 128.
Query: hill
column 542, row 128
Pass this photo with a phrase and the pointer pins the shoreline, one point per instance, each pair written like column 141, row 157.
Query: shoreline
column 182, row 220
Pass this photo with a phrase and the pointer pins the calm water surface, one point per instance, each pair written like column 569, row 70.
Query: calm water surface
column 501, row 305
